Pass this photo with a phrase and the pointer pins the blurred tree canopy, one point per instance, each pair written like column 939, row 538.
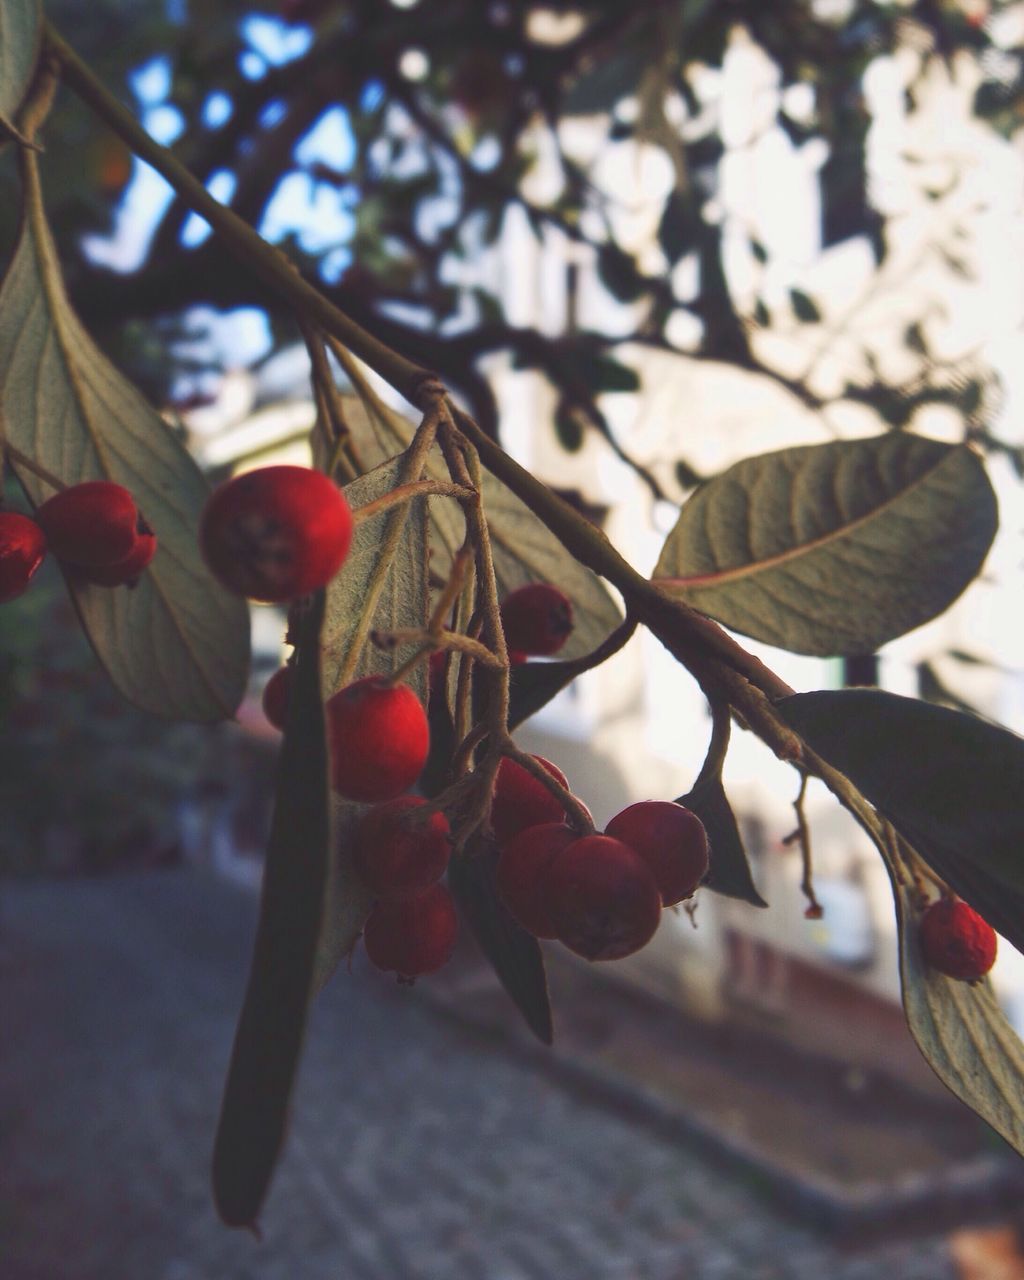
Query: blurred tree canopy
column 440, row 114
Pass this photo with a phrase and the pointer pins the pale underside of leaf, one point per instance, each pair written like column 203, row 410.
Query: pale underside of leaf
column 178, row 643
column 20, row 27
column 963, row 1034
column 403, row 603
column 524, row 550
column 834, row 548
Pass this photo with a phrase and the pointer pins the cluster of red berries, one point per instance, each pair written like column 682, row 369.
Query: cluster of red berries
column 957, row 941
column 601, row 895
column 93, row 528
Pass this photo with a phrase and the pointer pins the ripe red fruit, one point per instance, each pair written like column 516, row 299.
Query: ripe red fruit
column 378, row 738
column 523, row 863
column 671, row 840
column 957, row 941
column 276, row 533
column 275, row 697
column 92, row 524
column 537, row 619
column 603, row 900
column 398, row 851
column 22, row 548
column 411, row 936
column 521, row 800
column 127, row 570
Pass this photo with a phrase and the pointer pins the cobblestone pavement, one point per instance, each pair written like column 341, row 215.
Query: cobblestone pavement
column 419, row 1149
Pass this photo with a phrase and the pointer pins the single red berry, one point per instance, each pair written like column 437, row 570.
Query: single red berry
column 516, row 659
column 411, row 936
column 378, row 738
column 521, row 800
column 275, row 697
column 603, row 900
column 125, row 571
column 671, row 840
column 957, row 941
column 22, row 548
column 92, row 524
column 276, row 533
column 521, row 869
column 399, row 851
column 537, row 619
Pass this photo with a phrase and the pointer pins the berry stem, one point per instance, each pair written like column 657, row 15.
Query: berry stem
column 343, row 456
column 578, row 816
column 15, row 455
column 803, row 834
column 406, row 492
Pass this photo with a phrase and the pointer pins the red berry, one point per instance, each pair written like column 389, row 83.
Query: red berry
column 398, row 851
column 127, row 570
column 603, row 900
column 22, row 548
column 415, row 935
column 521, row 869
column 671, row 840
column 521, row 800
column 378, row 738
column 92, row 524
column 275, row 697
column 276, row 533
column 957, row 941
column 537, row 619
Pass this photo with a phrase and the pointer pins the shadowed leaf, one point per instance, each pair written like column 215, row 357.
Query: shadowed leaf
column 729, row 871
column 514, row 954
column 951, row 784
column 178, row 643
column 268, row 1041
column 834, row 548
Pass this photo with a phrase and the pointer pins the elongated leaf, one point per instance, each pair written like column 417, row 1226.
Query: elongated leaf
column 268, row 1041
column 402, row 602
column 514, row 954
column 20, row 26
column 963, row 1034
column 951, row 784
column 524, row 549
column 729, row 871
column 834, row 548
column 178, row 643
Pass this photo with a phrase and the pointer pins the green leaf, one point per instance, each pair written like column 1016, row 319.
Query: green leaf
column 804, row 307
column 524, row 549
column 272, row 1023
column 395, row 589
column 532, row 685
column 568, row 428
column 834, row 548
column 729, row 872
column 604, row 374
column 619, row 273
column 20, row 29
column 178, row 644
column 679, row 227
column 951, row 784
column 514, row 954
column 963, row 1034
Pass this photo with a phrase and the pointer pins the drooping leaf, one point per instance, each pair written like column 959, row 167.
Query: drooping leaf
column 962, row 1033
column 268, row 1041
column 402, row 602
column 835, row 548
column 533, row 684
column 20, row 27
column 524, row 549
column 178, row 643
column 514, row 954
column 729, row 870
column 951, row 784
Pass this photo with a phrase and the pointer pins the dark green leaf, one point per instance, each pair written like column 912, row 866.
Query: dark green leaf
column 729, row 872
column 268, row 1041
column 679, row 227
column 686, row 476
column 604, row 374
column 178, row 644
column 804, row 307
column 762, row 316
column 759, row 251
column 834, row 548
column 962, row 1033
column 395, row 590
column 950, row 783
column 619, row 273
column 20, row 25
column 568, row 428
column 514, row 954
column 534, row 684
